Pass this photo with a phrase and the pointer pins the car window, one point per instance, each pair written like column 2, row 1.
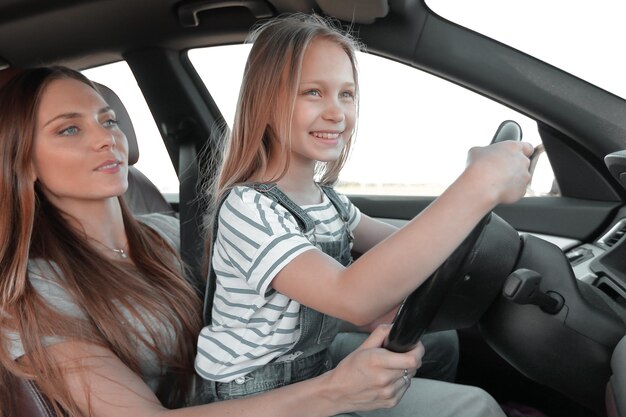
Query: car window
column 584, row 42
column 414, row 128
column 154, row 161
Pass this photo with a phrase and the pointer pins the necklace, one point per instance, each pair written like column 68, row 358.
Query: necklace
column 121, row 252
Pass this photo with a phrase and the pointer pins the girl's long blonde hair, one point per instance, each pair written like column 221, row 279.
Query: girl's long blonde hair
column 33, row 228
column 267, row 98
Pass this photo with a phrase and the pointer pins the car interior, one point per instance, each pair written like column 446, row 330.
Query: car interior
column 537, row 295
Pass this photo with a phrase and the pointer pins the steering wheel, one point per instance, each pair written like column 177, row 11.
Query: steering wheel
column 420, row 308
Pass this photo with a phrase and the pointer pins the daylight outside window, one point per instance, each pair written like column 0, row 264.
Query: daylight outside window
column 156, row 163
column 414, row 129
column 580, row 37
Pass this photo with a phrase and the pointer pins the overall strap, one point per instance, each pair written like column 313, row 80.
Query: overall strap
column 341, row 208
column 304, row 221
column 336, row 200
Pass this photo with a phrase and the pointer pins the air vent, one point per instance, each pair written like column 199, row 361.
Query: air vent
column 615, row 234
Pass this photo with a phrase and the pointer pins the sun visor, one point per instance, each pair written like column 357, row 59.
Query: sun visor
column 356, row 11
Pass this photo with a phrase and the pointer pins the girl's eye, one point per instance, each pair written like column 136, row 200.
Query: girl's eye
column 69, row 131
column 347, row 94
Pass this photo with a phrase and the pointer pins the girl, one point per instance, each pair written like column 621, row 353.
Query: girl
column 281, row 273
column 93, row 303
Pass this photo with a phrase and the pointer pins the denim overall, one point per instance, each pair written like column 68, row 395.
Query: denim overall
column 309, row 357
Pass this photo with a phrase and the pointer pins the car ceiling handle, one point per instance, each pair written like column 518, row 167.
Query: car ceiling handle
column 188, row 10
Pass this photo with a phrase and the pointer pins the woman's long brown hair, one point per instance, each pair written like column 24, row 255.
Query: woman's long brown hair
column 154, row 290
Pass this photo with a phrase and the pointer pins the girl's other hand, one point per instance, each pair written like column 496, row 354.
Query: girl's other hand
column 501, row 169
column 371, row 377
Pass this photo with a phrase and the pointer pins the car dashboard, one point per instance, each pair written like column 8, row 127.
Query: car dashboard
column 602, row 263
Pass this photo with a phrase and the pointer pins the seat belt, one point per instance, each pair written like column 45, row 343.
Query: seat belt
column 190, row 214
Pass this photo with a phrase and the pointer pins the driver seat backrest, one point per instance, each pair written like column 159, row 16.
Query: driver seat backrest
column 28, row 400
column 616, row 388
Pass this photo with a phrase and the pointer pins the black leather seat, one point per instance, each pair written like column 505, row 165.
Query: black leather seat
column 142, row 197
column 616, row 388
column 27, row 400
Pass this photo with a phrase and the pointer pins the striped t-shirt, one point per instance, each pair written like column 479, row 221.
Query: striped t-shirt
column 251, row 322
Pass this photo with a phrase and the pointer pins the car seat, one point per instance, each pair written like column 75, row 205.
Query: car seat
column 616, row 388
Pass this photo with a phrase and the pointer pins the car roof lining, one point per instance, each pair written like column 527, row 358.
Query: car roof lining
column 111, row 27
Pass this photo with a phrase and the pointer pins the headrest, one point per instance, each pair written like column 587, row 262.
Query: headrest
column 7, row 74
column 123, row 119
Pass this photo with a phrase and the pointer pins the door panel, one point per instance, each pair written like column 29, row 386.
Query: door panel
column 580, row 220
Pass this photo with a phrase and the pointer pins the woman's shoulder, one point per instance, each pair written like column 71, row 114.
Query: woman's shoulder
column 46, row 278
column 167, row 226
column 159, row 221
column 40, row 269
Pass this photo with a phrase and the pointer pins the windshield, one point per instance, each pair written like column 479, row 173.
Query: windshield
column 581, row 37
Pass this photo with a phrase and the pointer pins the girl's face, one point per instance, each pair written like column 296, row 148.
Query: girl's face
column 325, row 108
column 80, row 154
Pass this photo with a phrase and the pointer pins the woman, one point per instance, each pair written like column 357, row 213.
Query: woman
column 94, row 305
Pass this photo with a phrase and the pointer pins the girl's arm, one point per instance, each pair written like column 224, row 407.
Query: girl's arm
column 383, row 276
column 369, row 378
column 370, row 232
column 367, row 234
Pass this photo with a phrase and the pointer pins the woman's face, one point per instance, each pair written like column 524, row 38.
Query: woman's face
column 325, row 107
column 80, row 154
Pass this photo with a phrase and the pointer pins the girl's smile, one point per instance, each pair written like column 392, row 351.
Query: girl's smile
column 324, row 114
column 328, row 138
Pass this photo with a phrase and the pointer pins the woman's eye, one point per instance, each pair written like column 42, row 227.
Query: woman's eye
column 110, row 123
column 69, row 131
column 312, row 93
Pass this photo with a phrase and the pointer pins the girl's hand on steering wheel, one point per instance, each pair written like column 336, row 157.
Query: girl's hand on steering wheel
column 501, row 169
